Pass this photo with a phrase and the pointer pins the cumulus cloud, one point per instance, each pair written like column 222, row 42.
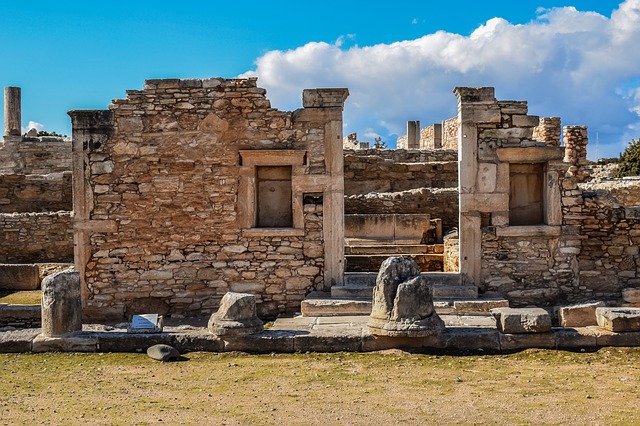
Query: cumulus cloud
column 581, row 66
column 33, row 125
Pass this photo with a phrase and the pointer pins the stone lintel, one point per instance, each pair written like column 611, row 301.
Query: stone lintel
column 485, row 203
column 275, row 157
column 324, row 98
column 539, row 154
column 529, row 231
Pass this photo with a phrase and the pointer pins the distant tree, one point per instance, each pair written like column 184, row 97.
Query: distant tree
column 54, row 134
column 630, row 160
column 378, row 144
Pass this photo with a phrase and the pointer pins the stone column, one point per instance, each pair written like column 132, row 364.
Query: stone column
column 12, row 112
column 331, row 103
column 61, row 304
column 576, row 139
column 548, row 131
column 413, row 135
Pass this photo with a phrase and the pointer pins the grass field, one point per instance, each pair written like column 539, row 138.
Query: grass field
column 21, row 297
column 386, row 388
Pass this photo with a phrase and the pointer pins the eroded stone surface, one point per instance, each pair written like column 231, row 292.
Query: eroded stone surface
column 403, row 301
column 236, row 316
column 619, row 319
column 61, row 304
column 582, row 315
column 522, row 320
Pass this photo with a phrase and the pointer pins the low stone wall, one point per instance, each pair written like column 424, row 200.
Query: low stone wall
column 438, row 203
column 35, row 193
column 626, row 191
column 20, row 316
column 393, row 171
column 36, row 237
column 36, row 156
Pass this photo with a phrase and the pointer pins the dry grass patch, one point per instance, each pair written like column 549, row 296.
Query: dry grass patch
column 13, row 297
column 534, row 386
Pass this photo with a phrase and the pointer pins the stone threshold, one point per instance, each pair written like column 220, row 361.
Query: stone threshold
column 316, row 334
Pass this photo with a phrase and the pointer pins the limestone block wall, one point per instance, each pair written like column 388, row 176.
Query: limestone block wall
column 166, row 212
column 450, row 133
column 625, row 191
column 398, row 170
column 35, row 193
column 35, row 156
column 36, row 237
column 437, row 202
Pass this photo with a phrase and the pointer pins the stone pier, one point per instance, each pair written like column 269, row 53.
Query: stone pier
column 413, row 134
column 12, row 112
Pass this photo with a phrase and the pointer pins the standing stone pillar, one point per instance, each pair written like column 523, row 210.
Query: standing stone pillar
column 548, row 131
column 12, row 112
column 413, row 135
column 61, row 304
column 575, row 150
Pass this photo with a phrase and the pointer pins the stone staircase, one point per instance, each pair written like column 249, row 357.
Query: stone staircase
column 450, row 296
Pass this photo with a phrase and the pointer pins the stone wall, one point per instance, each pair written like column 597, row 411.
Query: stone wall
column 36, row 237
column 41, row 156
column 450, row 133
column 548, row 131
column 437, row 202
column 626, row 191
column 166, row 217
column 398, row 170
column 35, row 193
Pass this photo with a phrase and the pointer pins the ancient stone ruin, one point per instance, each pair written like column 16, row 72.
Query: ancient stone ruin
column 190, row 189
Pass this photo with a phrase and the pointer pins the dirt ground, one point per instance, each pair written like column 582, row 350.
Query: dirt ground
column 387, row 388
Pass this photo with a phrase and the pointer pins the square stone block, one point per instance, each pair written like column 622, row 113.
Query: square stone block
column 582, row 315
column 522, row 320
column 619, row 319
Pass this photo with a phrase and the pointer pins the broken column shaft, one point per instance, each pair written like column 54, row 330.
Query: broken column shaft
column 12, row 111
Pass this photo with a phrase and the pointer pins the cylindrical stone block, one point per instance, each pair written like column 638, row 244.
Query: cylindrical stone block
column 12, row 111
column 61, row 304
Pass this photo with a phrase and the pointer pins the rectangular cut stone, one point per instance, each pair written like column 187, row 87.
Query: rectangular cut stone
column 525, row 120
column 19, row 277
column 522, row 320
column 582, row 315
column 619, row 319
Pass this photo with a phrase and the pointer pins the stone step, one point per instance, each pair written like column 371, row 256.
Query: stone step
column 434, row 278
column 370, row 263
column 393, row 249
column 355, row 291
column 326, row 307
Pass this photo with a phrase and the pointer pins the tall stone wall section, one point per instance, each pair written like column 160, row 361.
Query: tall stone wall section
column 450, row 133
column 35, row 193
column 163, row 222
column 586, row 245
column 39, row 156
column 36, row 237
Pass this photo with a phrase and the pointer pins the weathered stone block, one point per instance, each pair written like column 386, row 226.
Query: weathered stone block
column 61, row 304
column 236, row 316
column 522, row 320
column 619, row 319
column 403, row 301
column 582, row 315
column 631, row 295
column 19, row 277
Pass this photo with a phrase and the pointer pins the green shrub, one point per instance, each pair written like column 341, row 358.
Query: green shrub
column 630, row 160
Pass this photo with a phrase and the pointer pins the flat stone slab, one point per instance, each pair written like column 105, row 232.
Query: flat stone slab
column 334, row 307
column 582, row 315
column 619, row 319
column 19, row 277
column 522, row 320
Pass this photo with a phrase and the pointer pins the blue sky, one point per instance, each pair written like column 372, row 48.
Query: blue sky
column 400, row 60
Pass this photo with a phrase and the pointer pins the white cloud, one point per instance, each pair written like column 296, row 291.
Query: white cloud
column 33, row 125
column 581, row 66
